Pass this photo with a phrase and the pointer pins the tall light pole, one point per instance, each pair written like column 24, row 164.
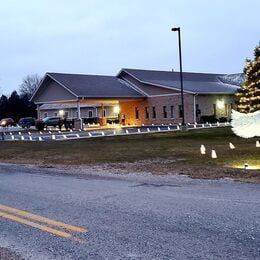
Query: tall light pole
column 178, row 29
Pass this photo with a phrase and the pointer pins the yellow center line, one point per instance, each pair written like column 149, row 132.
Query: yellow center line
column 42, row 219
column 35, row 225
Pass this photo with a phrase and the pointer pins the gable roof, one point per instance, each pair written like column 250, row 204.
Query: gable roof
column 197, row 83
column 89, row 86
column 95, row 86
column 78, row 86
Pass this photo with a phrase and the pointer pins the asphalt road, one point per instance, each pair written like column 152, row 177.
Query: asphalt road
column 113, row 216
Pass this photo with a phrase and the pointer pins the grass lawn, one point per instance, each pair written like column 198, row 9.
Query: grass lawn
column 160, row 153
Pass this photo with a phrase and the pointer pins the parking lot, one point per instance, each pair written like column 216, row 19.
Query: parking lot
column 54, row 134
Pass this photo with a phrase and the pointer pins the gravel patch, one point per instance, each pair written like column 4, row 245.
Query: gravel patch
column 8, row 254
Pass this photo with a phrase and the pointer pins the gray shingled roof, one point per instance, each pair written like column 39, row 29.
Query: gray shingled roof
column 193, row 82
column 95, row 86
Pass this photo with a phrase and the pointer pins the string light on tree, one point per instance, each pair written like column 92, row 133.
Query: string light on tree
column 246, row 121
column 249, row 94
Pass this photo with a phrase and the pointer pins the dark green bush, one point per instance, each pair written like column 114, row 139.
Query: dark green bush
column 222, row 120
column 208, row 119
column 39, row 125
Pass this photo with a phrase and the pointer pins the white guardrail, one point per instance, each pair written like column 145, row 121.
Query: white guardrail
column 20, row 134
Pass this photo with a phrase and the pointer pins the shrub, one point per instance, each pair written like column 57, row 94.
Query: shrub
column 39, row 125
column 208, row 119
column 222, row 120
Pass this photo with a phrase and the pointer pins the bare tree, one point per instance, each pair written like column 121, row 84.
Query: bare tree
column 29, row 85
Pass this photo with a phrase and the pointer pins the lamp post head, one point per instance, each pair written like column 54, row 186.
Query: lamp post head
column 176, row 29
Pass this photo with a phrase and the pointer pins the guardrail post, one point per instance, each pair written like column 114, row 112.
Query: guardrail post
column 2, row 135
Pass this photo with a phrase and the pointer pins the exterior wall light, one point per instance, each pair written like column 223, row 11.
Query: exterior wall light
column 220, row 104
column 116, row 109
column 61, row 113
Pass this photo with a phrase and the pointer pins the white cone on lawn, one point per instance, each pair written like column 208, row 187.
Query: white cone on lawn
column 202, row 149
column 213, row 154
column 231, row 146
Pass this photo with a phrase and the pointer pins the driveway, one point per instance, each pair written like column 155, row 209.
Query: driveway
column 48, row 213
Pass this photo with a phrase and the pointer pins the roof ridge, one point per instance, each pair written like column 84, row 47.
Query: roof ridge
column 191, row 72
column 169, row 71
column 79, row 74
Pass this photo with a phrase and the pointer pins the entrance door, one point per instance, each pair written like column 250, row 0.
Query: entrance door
column 123, row 119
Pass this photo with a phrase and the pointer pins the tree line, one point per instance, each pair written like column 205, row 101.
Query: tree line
column 19, row 105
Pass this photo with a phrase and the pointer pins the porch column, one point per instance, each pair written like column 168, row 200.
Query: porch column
column 78, row 123
column 194, row 108
column 38, row 111
column 103, row 121
column 78, row 110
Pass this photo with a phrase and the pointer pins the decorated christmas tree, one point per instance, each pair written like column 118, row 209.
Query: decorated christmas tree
column 249, row 94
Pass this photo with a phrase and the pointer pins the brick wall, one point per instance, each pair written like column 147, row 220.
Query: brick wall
column 163, row 115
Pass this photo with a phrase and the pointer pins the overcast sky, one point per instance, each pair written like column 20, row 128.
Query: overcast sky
column 103, row 36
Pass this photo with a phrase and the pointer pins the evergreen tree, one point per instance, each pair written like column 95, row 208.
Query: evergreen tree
column 14, row 106
column 249, row 94
column 3, row 106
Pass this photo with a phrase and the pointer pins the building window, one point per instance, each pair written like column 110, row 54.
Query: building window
column 136, row 113
column 154, row 112
column 172, row 108
column 164, row 112
column 180, row 110
column 214, row 110
column 55, row 114
column 226, row 109
column 198, row 112
column 90, row 113
column 45, row 114
column 104, row 113
column 146, row 113
column 66, row 114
